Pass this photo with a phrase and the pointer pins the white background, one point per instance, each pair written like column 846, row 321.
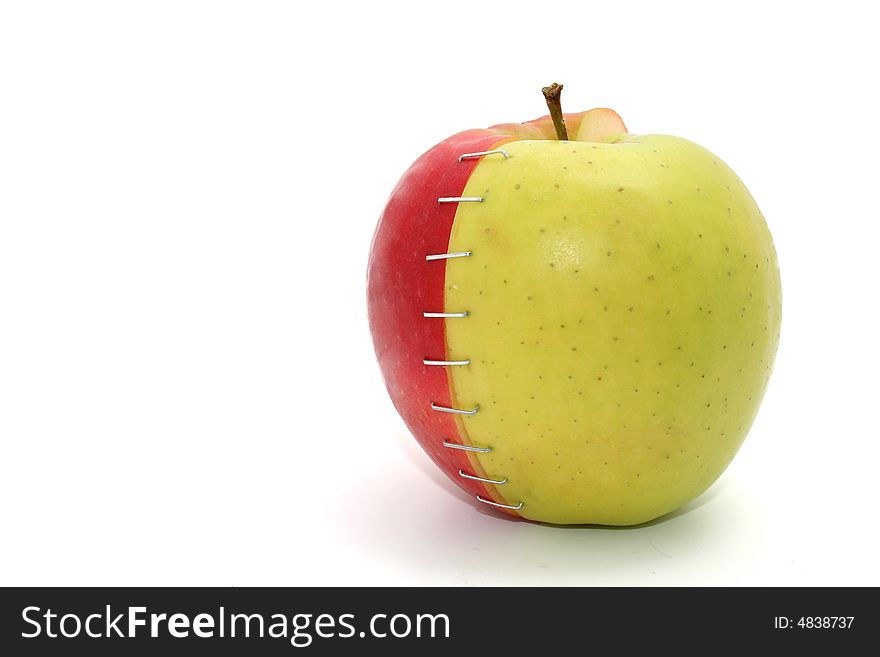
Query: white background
column 188, row 392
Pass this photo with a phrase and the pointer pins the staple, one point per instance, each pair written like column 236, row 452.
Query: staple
column 497, row 482
column 461, row 314
column 446, row 256
column 467, row 448
column 496, row 151
column 460, row 199
column 454, row 411
column 447, row 363
column 516, row 507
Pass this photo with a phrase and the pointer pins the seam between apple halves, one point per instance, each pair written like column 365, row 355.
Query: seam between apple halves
column 493, row 491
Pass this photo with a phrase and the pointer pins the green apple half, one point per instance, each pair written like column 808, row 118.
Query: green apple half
column 623, row 310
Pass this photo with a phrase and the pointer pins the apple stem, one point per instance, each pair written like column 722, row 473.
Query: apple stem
column 553, row 96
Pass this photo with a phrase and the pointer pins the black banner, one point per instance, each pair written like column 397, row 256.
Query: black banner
column 518, row 621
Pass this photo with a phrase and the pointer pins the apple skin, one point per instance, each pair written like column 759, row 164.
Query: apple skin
column 623, row 303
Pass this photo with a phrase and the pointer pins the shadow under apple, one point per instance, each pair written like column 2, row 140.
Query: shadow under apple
column 425, row 534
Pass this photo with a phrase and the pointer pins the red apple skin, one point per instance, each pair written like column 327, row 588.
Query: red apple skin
column 401, row 285
column 599, row 122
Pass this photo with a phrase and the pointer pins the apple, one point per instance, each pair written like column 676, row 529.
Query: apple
column 577, row 330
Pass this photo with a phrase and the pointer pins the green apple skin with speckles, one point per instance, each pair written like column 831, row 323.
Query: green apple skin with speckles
column 624, row 310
